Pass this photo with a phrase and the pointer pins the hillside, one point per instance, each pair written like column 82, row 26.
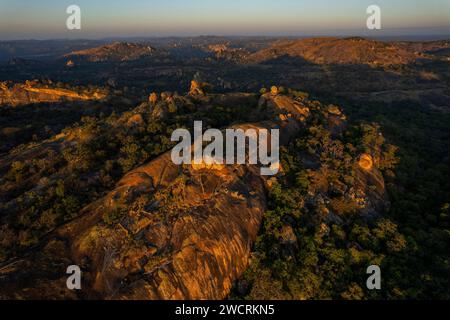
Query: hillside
column 118, row 51
column 162, row 230
column 16, row 94
column 337, row 51
column 424, row 47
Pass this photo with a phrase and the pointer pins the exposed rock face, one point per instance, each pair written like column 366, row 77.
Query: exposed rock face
column 334, row 110
column 224, row 51
column 165, row 231
column 31, row 92
column 370, row 186
column 366, row 162
column 135, row 120
column 194, row 250
column 188, row 235
column 197, row 88
column 219, row 48
column 274, row 90
column 153, row 98
column 279, row 104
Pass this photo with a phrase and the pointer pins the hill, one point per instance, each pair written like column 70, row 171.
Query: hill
column 164, row 231
column 118, row 51
column 16, row 94
column 337, row 51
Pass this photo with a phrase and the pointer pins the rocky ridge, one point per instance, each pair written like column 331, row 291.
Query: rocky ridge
column 338, row 51
column 118, row 51
column 173, row 232
column 33, row 92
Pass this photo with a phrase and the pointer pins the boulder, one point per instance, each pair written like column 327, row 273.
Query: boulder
column 196, row 88
column 153, row 98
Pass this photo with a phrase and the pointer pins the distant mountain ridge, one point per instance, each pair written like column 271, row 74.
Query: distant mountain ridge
column 319, row 50
column 353, row 50
column 117, row 51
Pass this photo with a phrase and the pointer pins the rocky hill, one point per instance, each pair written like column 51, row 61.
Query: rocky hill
column 186, row 232
column 15, row 94
column 337, row 51
column 118, row 51
column 224, row 51
column 424, row 47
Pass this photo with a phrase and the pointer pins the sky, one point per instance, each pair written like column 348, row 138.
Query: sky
column 46, row 19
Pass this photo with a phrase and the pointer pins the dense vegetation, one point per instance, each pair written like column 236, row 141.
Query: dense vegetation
column 43, row 192
column 420, row 194
column 298, row 256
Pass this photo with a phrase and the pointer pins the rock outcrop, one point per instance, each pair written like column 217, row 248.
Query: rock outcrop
column 32, row 92
column 277, row 104
column 165, row 231
column 198, row 88
column 337, row 51
column 370, row 187
column 223, row 51
column 118, row 51
column 153, row 98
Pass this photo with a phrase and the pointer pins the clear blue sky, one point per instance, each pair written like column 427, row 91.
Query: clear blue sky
column 23, row 19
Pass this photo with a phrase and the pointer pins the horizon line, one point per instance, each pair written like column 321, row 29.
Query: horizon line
column 108, row 38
